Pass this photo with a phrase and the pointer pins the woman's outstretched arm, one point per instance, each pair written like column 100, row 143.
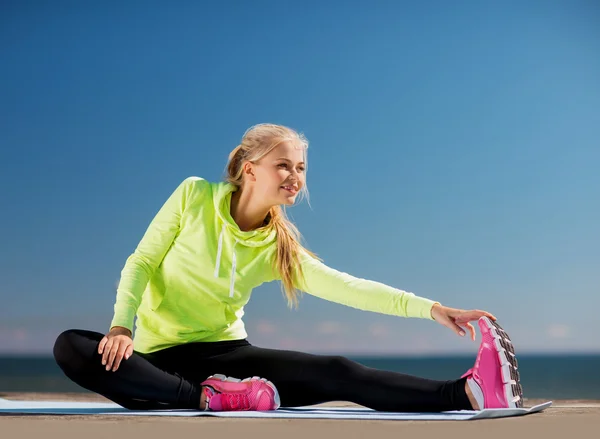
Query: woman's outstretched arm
column 333, row 285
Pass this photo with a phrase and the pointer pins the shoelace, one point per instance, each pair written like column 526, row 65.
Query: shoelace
column 235, row 401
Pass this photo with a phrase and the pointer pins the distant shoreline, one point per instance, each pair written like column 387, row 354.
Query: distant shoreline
column 565, row 377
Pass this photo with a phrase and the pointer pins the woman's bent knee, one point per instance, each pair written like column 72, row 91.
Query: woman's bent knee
column 74, row 347
column 64, row 349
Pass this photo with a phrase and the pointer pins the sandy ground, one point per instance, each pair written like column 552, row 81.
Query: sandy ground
column 565, row 419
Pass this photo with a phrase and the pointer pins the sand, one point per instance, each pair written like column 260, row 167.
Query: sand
column 565, row 419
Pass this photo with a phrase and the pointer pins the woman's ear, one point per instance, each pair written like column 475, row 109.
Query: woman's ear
column 249, row 171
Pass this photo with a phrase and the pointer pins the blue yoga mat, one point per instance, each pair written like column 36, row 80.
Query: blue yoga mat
column 309, row 412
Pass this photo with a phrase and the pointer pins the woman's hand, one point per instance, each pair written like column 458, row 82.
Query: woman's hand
column 115, row 346
column 455, row 318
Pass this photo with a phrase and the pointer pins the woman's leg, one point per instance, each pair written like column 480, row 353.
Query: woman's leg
column 137, row 384
column 306, row 379
column 171, row 378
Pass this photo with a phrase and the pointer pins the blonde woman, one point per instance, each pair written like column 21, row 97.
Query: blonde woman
column 191, row 275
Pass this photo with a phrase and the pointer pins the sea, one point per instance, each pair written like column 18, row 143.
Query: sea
column 542, row 376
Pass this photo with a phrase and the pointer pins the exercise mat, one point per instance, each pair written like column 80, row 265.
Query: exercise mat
column 11, row 407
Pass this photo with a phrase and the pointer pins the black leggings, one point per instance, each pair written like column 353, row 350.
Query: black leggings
column 170, row 378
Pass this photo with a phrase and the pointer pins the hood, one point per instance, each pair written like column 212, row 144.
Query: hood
column 228, row 229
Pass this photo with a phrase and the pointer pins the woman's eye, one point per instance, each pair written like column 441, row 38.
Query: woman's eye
column 285, row 165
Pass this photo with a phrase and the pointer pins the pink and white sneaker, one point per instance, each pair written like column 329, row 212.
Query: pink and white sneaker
column 231, row 394
column 494, row 379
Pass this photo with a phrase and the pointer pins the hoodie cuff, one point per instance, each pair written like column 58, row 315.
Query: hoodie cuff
column 123, row 318
column 420, row 307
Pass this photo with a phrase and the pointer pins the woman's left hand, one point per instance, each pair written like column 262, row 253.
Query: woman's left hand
column 455, row 319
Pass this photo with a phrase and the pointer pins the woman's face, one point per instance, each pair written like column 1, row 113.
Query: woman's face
column 280, row 174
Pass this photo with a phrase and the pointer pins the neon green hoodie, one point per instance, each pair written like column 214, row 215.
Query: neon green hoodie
column 194, row 270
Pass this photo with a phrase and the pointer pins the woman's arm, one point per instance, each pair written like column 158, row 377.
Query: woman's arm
column 327, row 283
column 148, row 255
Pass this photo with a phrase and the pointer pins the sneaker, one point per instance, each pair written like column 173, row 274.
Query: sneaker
column 494, row 379
column 231, row 394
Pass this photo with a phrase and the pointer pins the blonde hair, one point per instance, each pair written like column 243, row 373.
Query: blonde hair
column 257, row 142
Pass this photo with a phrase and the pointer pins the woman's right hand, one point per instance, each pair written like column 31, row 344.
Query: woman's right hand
column 115, row 346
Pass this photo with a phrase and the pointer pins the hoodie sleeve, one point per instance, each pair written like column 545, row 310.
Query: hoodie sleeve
column 329, row 284
column 148, row 255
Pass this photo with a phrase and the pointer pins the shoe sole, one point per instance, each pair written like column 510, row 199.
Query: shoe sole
column 221, row 377
column 513, row 391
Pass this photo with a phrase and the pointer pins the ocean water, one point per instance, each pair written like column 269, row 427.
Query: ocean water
column 542, row 376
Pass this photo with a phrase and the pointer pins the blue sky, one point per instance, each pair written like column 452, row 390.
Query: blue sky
column 454, row 154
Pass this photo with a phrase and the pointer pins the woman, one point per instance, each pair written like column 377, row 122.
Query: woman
column 191, row 275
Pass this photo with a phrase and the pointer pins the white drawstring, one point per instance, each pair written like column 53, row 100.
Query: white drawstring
column 233, row 261
column 220, row 248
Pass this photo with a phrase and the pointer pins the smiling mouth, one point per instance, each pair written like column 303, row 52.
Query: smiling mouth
column 289, row 189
